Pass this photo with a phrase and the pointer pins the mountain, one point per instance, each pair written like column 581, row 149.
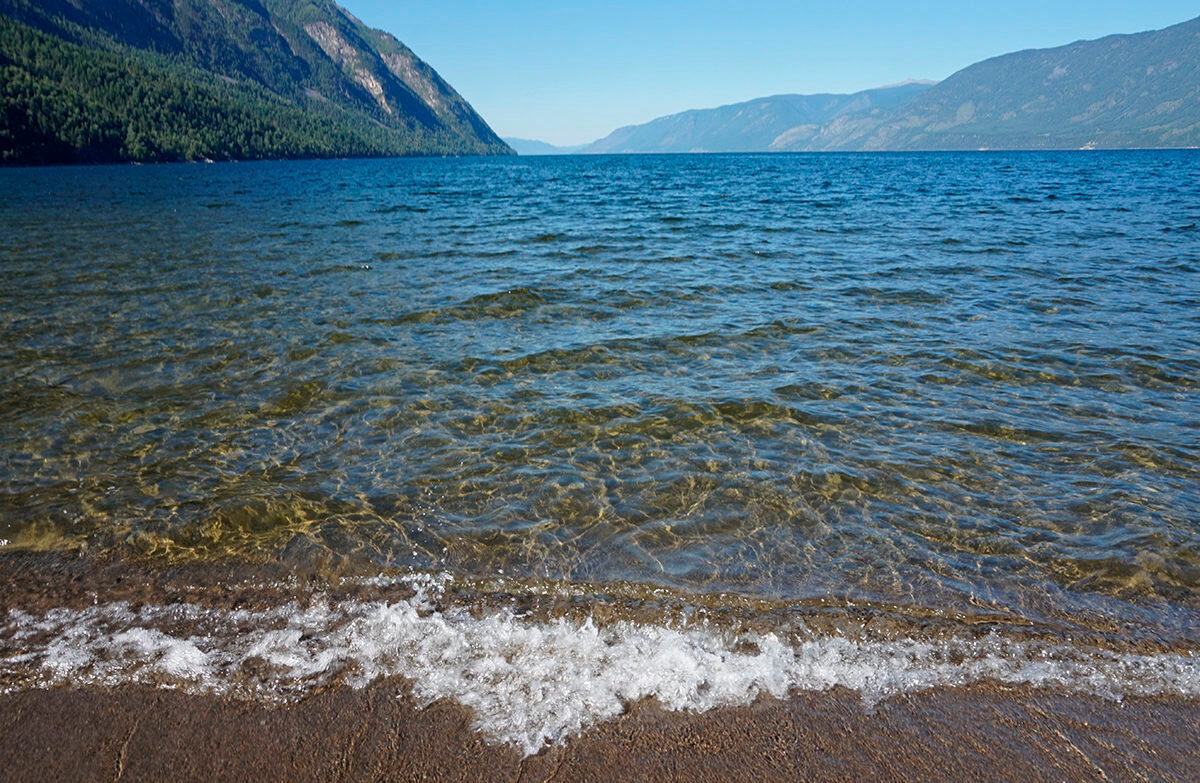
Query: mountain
column 1140, row 90
column 118, row 80
column 535, row 147
column 753, row 126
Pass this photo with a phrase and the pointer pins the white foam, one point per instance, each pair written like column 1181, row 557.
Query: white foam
column 528, row 683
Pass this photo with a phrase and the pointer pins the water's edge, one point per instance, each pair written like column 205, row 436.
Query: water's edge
column 536, row 667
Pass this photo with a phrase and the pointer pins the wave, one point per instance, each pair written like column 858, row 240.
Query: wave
column 529, row 682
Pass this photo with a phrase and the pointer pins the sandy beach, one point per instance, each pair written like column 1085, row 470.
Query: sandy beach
column 981, row 731
column 977, row 733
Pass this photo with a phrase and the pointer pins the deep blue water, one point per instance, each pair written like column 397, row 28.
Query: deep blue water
column 940, row 383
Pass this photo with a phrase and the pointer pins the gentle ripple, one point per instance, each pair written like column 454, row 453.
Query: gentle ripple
column 946, row 382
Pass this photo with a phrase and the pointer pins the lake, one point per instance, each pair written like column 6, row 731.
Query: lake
column 693, row 427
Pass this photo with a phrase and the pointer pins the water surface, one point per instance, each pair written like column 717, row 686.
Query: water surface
column 952, row 386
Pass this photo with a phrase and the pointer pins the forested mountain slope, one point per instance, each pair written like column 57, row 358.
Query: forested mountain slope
column 150, row 80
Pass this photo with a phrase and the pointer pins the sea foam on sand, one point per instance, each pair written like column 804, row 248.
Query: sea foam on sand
column 528, row 683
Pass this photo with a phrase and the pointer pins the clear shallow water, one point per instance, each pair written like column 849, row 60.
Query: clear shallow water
column 952, row 386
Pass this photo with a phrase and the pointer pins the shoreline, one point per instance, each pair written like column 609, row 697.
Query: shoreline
column 977, row 732
column 110, row 668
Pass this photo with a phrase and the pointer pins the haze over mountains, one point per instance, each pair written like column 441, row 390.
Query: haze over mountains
column 1139, row 90
column 752, row 126
column 535, row 147
column 113, row 80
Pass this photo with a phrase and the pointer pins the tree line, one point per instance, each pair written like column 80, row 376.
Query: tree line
column 66, row 103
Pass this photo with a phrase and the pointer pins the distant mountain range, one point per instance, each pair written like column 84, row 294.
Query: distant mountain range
column 140, row 80
column 534, row 147
column 752, row 126
column 1140, row 90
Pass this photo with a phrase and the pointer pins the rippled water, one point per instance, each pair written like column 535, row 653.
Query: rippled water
column 945, row 385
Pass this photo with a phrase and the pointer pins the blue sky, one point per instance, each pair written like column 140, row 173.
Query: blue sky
column 571, row 73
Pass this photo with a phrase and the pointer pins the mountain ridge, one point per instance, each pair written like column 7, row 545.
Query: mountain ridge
column 748, row 126
column 218, row 79
column 1119, row 91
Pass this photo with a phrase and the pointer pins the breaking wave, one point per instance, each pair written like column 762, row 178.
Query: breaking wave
column 528, row 682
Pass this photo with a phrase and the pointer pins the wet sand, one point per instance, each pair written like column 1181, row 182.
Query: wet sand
column 979, row 732
column 975, row 733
